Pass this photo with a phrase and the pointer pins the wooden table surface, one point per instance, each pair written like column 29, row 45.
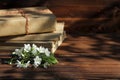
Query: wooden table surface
column 80, row 57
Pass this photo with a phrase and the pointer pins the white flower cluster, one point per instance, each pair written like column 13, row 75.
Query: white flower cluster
column 28, row 55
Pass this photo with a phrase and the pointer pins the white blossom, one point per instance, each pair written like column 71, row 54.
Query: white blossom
column 45, row 65
column 26, row 64
column 34, row 49
column 27, row 47
column 41, row 49
column 18, row 52
column 34, row 46
column 47, row 52
column 34, row 56
column 37, row 61
column 19, row 64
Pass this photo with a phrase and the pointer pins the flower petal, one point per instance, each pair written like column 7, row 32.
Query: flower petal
column 37, row 61
column 41, row 49
column 47, row 52
column 27, row 47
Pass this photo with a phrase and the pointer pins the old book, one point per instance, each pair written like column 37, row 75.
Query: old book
column 48, row 40
column 44, row 36
column 51, row 45
column 26, row 20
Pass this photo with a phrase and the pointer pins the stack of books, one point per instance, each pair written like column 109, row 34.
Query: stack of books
column 42, row 27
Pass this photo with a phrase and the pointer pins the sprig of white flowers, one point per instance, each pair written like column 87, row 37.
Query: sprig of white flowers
column 32, row 56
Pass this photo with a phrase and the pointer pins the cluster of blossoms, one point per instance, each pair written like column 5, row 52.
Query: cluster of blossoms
column 28, row 56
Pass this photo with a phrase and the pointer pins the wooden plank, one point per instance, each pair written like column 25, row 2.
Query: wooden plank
column 75, row 11
column 22, row 3
column 48, row 75
column 77, row 59
column 108, row 70
column 81, row 2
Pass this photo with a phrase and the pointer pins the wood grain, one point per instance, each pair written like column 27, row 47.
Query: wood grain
column 80, row 57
